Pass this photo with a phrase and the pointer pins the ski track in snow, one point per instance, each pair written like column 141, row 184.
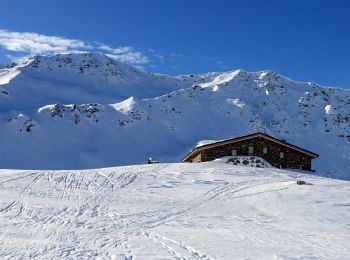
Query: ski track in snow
column 173, row 211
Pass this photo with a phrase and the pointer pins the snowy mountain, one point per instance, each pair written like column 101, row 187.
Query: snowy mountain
column 78, row 111
column 185, row 211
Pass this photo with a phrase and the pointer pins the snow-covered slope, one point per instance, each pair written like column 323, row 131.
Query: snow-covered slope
column 173, row 211
column 78, row 78
column 87, row 111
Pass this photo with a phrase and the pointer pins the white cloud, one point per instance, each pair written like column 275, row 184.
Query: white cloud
column 22, row 44
column 17, row 59
column 125, row 54
column 34, row 43
column 130, row 57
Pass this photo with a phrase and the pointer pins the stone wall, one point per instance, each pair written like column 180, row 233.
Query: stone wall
column 292, row 159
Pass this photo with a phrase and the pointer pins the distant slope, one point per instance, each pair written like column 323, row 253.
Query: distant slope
column 79, row 78
column 87, row 111
column 173, row 211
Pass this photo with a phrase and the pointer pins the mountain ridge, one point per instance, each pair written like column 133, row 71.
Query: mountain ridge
column 95, row 119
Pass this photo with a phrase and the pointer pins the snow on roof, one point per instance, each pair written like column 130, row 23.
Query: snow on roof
column 206, row 142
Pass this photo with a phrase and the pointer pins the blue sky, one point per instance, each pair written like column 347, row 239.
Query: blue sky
column 304, row 40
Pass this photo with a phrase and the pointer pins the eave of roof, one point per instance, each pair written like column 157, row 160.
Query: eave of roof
column 241, row 138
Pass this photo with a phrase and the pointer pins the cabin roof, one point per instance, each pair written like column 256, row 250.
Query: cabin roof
column 247, row 137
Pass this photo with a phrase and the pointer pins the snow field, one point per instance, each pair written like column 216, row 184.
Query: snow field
column 173, row 211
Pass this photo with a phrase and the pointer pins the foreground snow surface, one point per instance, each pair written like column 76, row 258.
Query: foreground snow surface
column 173, row 211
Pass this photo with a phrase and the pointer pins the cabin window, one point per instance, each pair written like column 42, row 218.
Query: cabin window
column 282, row 155
column 265, row 150
column 234, row 152
column 251, row 149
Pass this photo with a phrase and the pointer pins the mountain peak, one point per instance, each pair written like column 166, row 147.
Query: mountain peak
column 272, row 76
column 80, row 60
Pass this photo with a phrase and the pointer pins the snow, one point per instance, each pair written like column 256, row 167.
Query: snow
column 6, row 75
column 21, row 123
column 173, row 211
column 222, row 78
column 93, row 112
column 263, row 74
column 252, row 161
column 236, row 101
column 46, row 108
column 205, row 142
column 125, row 106
column 328, row 109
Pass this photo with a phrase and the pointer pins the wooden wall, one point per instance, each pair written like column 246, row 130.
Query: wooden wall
column 292, row 158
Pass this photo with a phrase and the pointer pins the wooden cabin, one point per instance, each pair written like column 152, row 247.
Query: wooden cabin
column 277, row 152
